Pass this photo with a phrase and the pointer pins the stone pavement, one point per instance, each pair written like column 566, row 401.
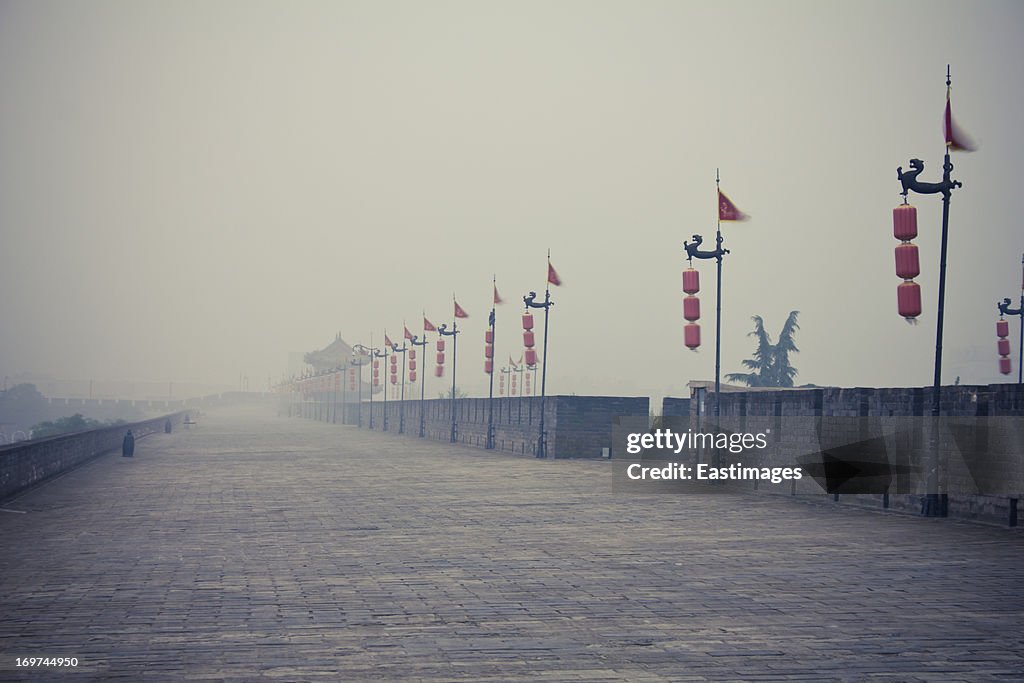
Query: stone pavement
column 254, row 547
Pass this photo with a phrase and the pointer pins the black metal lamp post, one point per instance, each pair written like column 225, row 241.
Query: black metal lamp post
column 395, row 348
column 384, row 420
column 358, row 363
column 935, row 504
column 693, row 251
column 489, row 363
column 530, row 301
column 423, row 378
column 443, row 331
column 1004, row 309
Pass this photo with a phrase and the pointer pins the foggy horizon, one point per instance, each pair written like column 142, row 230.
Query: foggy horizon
column 190, row 193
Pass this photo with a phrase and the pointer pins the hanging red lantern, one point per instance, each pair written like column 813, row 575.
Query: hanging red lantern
column 376, row 381
column 440, row 357
column 691, row 281
column 1003, row 347
column 412, row 365
column 376, row 364
column 1004, row 366
column 412, row 354
column 908, row 265
column 528, row 339
column 904, row 222
column 908, row 298
column 488, row 366
column 488, row 351
column 412, row 375
column 489, row 337
column 440, row 344
column 439, row 371
column 527, row 321
column 1002, row 328
column 376, row 373
column 691, row 308
column 691, row 336
column 394, row 379
column 530, row 356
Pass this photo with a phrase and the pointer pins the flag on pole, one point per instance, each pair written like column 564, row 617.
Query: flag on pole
column 459, row 311
column 428, row 326
column 408, row 334
column 387, row 340
column 957, row 140
column 553, row 276
column 727, row 211
column 497, row 298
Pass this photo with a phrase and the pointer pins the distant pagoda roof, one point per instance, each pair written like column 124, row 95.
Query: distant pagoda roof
column 334, row 355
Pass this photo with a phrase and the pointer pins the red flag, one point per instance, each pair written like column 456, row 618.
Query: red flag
column 553, row 276
column 428, row 326
column 387, row 340
column 956, row 139
column 727, row 211
column 408, row 334
column 459, row 312
column 497, row 299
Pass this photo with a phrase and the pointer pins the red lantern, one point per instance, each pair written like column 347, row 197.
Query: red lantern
column 489, row 337
column 439, row 371
column 412, row 354
column 440, row 358
column 1003, row 346
column 1004, row 366
column 528, row 339
column 907, row 264
column 691, row 308
column 691, row 281
column 376, row 373
column 376, row 364
column 908, row 299
column 691, row 336
column 527, row 321
column 440, row 344
column 412, row 365
column 488, row 366
column 530, row 355
column 904, row 222
column 394, row 379
column 488, row 351
column 376, row 381
column 1002, row 328
column 412, row 375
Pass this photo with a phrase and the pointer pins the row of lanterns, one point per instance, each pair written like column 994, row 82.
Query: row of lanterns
column 1003, row 345
column 529, row 353
column 691, row 308
column 439, row 370
column 412, row 365
column 908, row 265
column 489, row 351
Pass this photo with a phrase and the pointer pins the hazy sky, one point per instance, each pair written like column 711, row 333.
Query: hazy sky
column 190, row 190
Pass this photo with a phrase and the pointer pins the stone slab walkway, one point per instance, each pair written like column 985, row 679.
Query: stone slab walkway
column 258, row 548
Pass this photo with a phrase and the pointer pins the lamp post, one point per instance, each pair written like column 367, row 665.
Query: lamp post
column 401, row 406
column 530, row 302
column 423, row 377
column 358, row 363
column 444, row 332
column 693, row 251
column 1004, row 309
column 384, row 420
column 489, row 369
column 935, row 504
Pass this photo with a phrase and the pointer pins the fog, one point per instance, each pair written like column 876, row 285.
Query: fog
column 190, row 191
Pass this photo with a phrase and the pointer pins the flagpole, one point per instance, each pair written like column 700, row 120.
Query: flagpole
column 935, row 504
column 373, row 354
column 490, row 384
column 423, row 376
column 718, row 310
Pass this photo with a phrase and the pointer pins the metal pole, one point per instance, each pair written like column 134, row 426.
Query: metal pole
column 455, row 351
column 401, row 409
column 718, row 328
column 541, row 445
column 490, row 388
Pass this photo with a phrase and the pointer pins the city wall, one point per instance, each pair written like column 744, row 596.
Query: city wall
column 28, row 463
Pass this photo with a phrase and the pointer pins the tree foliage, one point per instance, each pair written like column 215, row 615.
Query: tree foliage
column 770, row 366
